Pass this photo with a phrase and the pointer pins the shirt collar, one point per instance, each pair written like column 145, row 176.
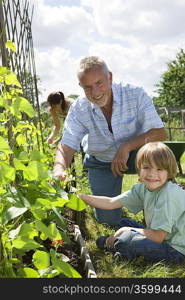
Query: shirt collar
column 116, row 92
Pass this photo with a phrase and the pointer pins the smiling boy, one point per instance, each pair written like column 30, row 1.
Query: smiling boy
column 163, row 202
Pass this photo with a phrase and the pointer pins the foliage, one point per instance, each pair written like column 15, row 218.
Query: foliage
column 32, row 203
column 171, row 88
column 73, row 96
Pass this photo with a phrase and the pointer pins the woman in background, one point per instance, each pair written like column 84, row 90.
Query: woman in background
column 58, row 107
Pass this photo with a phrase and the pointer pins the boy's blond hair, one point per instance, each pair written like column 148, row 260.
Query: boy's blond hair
column 159, row 154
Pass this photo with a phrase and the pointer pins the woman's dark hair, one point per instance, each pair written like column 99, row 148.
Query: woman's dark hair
column 56, row 98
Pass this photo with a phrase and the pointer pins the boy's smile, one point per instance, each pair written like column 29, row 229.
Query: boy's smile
column 152, row 176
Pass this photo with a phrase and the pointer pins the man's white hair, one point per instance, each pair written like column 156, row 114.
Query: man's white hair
column 92, row 62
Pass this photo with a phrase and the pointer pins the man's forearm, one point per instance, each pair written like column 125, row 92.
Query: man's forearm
column 153, row 135
column 64, row 156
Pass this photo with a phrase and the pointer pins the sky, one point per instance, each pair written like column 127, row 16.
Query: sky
column 136, row 38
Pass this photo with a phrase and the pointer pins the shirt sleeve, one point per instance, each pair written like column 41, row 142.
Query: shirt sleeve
column 148, row 117
column 167, row 211
column 74, row 130
column 133, row 199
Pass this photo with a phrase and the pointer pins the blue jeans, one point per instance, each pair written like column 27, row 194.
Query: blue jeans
column 132, row 244
column 103, row 183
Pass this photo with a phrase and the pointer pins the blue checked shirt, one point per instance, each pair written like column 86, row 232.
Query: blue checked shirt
column 133, row 114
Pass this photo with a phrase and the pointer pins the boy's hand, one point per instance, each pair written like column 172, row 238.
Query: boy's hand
column 81, row 196
column 111, row 239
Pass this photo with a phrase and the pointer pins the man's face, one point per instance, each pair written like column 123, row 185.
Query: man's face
column 97, row 86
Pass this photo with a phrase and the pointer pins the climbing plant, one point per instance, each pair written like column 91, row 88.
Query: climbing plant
column 32, row 202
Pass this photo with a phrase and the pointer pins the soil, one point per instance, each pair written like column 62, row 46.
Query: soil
column 71, row 250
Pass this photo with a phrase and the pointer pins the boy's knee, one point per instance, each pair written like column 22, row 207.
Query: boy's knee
column 125, row 238
column 128, row 242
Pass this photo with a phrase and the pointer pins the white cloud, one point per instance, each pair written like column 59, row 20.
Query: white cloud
column 139, row 65
column 57, row 26
column 57, row 73
column 146, row 20
column 136, row 39
column 57, row 35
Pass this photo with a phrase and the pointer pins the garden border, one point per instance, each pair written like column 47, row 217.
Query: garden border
column 88, row 266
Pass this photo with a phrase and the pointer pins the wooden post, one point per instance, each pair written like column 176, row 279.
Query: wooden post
column 3, row 39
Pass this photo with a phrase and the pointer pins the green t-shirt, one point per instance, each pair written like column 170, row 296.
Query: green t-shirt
column 163, row 209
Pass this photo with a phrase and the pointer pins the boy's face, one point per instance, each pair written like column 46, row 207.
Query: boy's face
column 153, row 177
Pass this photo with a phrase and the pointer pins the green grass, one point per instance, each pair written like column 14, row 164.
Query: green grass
column 104, row 263
column 183, row 162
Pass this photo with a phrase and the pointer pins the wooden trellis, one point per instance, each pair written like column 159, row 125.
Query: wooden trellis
column 15, row 25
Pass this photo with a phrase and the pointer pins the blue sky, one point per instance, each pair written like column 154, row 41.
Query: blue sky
column 135, row 37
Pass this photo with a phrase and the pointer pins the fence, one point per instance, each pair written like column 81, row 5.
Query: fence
column 168, row 113
column 176, row 134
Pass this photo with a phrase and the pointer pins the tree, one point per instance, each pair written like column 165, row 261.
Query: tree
column 171, row 89
column 73, row 96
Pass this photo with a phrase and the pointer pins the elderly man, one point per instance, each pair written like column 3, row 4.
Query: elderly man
column 111, row 122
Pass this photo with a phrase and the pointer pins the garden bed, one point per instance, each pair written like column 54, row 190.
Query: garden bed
column 78, row 250
column 84, row 254
column 75, row 250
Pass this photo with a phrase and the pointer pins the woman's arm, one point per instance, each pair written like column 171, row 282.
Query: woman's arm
column 101, row 201
column 56, row 127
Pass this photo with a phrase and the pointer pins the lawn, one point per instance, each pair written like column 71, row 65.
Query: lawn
column 104, row 263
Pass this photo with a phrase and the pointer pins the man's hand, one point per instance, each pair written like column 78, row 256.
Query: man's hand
column 64, row 155
column 119, row 163
column 60, row 175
